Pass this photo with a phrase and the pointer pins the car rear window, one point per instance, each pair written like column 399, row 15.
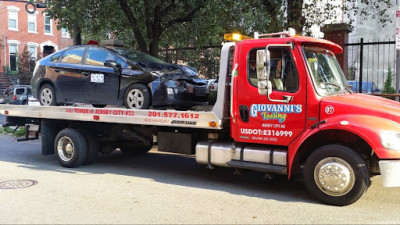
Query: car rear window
column 19, row 91
column 73, row 56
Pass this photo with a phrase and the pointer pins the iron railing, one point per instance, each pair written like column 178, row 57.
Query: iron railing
column 371, row 62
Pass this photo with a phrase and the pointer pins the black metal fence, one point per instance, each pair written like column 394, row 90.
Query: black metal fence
column 371, row 63
column 204, row 59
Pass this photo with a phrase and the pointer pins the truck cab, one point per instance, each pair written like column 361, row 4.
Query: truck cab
column 292, row 111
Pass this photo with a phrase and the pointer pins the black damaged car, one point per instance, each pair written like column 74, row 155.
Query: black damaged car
column 103, row 76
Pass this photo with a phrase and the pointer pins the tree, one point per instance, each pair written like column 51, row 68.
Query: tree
column 388, row 88
column 23, row 66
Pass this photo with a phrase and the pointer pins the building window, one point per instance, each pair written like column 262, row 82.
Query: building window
column 13, row 57
column 32, row 23
column 32, row 58
column 47, row 25
column 64, row 33
column 12, row 17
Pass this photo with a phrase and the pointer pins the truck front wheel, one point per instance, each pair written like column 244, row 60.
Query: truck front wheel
column 71, row 147
column 336, row 175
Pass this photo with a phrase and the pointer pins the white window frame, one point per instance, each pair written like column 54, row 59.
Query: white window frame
column 34, row 16
column 12, row 9
column 33, row 45
column 65, row 33
column 51, row 25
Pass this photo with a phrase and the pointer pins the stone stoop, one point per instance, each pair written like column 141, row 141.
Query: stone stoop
column 4, row 83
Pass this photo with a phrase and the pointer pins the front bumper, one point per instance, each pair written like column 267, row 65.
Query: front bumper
column 390, row 172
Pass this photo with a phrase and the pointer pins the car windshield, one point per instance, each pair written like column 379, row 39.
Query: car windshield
column 136, row 56
column 326, row 73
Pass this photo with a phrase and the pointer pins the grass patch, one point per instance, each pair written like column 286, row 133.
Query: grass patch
column 8, row 130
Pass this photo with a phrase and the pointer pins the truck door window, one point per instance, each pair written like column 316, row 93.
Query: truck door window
column 283, row 73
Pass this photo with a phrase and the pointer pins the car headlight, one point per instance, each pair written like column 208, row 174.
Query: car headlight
column 390, row 140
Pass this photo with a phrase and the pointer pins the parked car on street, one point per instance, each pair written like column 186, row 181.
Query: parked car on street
column 101, row 76
column 17, row 95
column 368, row 87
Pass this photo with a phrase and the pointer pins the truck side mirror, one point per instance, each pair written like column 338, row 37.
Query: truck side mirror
column 263, row 70
column 263, row 64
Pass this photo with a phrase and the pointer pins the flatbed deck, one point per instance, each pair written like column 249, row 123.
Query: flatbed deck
column 168, row 118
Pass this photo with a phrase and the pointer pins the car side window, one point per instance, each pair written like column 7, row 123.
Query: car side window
column 74, row 55
column 122, row 62
column 283, row 73
column 97, row 57
column 19, row 91
column 55, row 57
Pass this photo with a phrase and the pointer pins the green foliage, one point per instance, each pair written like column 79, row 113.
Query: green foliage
column 388, row 88
column 8, row 130
column 20, row 132
column 23, row 66
column 153, row 25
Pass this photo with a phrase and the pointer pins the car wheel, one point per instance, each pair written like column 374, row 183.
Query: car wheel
column 47, row 95
column 98, row 105
column 336, row 175
column 137, row 96
column 25, row 102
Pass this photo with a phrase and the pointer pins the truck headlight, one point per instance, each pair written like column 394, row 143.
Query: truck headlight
column 390, row 140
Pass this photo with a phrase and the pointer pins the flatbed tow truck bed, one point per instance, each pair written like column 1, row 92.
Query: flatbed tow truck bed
column 167, row 118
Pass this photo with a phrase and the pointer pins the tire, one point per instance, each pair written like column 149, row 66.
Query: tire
column 24, row 102
column 93, row 147
column 336, row 175
column 137, row 96
column 134, row 149
column 99, row 105
column 47, row 95
column 71, row 148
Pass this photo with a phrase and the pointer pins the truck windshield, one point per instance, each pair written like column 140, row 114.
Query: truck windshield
column 326, row 73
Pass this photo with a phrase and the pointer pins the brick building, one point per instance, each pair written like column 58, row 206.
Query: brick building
column 35, row 30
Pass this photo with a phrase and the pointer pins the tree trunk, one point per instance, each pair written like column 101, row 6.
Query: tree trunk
column 77, row 35
column 295, row 17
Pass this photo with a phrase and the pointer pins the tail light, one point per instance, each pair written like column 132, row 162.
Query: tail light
column 15, row 98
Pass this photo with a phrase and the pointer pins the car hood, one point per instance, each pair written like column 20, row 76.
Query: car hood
column 172, row 71
column 361, row 104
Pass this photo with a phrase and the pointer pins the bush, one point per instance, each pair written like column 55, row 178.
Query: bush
column 8, row 130
column 388, row 88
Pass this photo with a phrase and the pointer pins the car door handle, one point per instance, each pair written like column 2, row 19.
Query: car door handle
column 86, row 73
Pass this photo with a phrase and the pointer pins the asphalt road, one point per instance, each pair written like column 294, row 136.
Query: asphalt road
column 166, row 189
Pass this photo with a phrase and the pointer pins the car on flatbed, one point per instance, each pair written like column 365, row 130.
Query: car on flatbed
column 103, row 76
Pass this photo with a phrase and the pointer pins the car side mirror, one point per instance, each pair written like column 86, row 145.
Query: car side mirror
column 111, row 63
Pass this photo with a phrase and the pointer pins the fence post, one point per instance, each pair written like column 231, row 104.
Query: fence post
column 361, row 65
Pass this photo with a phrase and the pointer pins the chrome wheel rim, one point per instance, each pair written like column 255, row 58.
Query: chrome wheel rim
column 334, row 176
column 135, row 99
column 65, row 148
column 46, row 96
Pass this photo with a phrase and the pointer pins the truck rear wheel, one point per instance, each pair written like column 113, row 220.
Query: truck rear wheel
column 71, row 147
column 93, row 147
column 336, row 175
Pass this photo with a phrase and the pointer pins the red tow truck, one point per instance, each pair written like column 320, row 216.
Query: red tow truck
column 283, row 107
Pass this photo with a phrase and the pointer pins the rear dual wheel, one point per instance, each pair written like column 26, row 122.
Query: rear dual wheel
column 336, row 175
column 75, row 147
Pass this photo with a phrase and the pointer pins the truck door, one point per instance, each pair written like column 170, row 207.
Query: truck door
column 258, row 119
